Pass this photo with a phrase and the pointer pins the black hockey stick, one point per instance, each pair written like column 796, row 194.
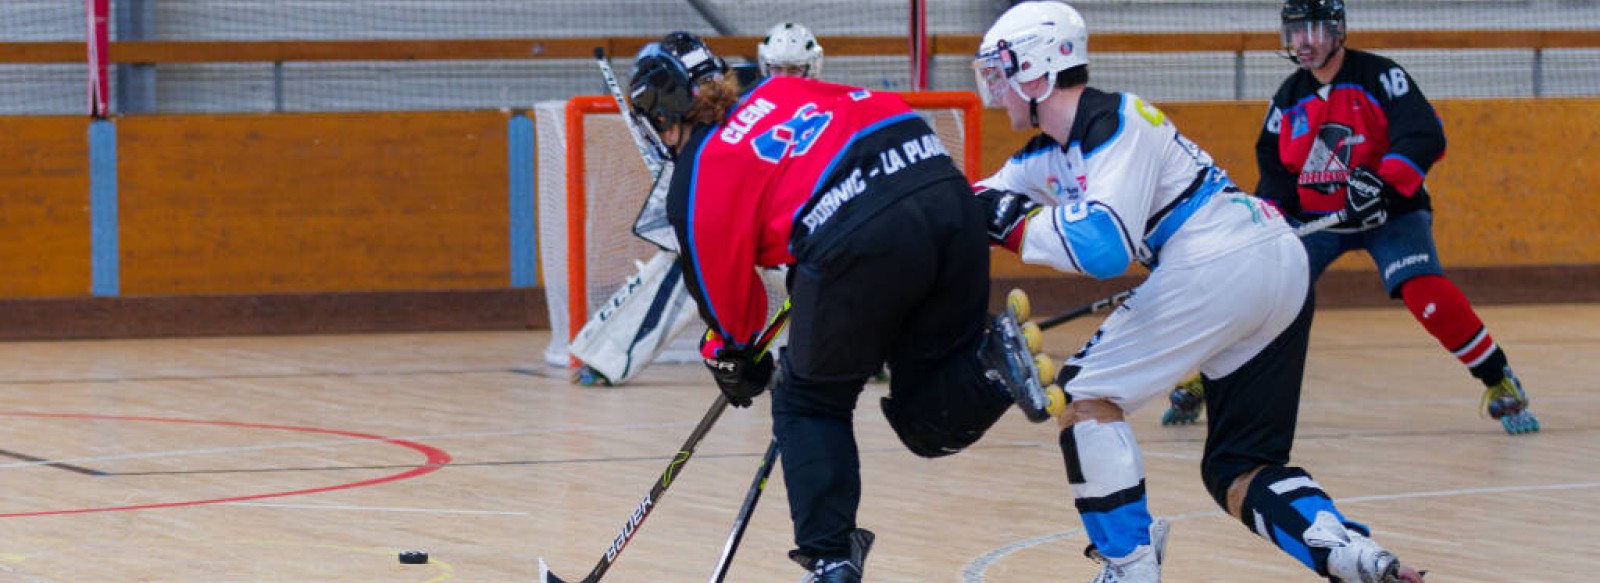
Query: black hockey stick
column 1116, row 299
column 1094, row 307
column 635, row 520
column 747, row 509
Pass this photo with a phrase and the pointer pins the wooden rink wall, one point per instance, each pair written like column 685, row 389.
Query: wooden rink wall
column 335, row 222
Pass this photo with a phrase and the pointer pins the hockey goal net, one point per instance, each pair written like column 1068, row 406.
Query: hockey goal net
column 591, row 184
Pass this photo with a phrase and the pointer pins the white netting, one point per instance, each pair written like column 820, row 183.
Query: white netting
column 616, row 183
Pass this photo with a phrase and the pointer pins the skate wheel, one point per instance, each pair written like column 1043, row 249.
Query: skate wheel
column 1044, row 365
column 1176, row 416
column 1019, row 306
column 1033, row 336
column 1519, row 423
column 1055, row 400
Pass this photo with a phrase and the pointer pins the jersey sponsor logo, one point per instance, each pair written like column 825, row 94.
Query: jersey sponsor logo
column 1327, row 166
column 841, row 193
column 1149, row 112
column 794, row 137
column 1064, row 192
column 746, row 118
column 1299, row 125
column 891, row 160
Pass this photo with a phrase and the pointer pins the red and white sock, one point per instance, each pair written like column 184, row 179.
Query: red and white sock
column 1444, row 311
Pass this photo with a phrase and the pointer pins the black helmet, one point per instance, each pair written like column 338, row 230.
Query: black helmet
column 665, row 75
column 687, row 47
column 1303, row 10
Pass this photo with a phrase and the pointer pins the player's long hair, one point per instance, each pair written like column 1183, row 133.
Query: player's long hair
column 712, row 101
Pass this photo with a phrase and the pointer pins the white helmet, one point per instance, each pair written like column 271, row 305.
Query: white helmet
column 1029, row 41
column 789, row 44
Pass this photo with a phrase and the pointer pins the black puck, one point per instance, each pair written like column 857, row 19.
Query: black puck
column 413, row 557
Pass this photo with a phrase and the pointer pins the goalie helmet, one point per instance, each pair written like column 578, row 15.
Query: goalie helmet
column 790, row 45
column 1318, row 22
column 1031, row 40
column 666, row 75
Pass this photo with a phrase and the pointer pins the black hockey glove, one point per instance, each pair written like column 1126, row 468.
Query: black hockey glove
column 1364, row 204
column 741, row 375
column 1005, row 212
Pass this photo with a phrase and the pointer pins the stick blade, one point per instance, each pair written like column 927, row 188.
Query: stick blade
column 545, row 576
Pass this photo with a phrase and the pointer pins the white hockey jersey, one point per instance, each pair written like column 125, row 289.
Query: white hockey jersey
column 1128, row 187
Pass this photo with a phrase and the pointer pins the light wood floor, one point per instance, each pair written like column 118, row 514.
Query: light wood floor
column 308, row 459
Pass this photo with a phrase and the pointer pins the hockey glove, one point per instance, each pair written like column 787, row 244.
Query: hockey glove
column 741, row 375
column 1006, row 213
column 1364, row 205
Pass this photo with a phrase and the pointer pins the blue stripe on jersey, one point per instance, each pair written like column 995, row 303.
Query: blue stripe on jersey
column 1292, row 545
column 1037, row 146
column 845, row 151
column 1122, row 121
column 1350, row 86
column 1094, row 242
column 1214, row 182
column 1119, row 531
column 1406, row 161
column 690, row 248
column 743, row 97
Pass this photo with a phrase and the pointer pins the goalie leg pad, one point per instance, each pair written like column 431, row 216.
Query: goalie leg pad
column 1106, row 471
column 637, row 322
column 942, row 413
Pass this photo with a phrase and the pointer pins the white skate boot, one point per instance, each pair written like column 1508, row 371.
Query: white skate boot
column 1143, row 566
column 1354, row 558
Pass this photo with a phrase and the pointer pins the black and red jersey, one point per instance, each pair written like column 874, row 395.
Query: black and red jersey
column 1371, row 115
column 795, row 160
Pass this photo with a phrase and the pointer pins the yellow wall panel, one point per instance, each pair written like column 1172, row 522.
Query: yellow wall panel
column 313, row 202
column 44, row 206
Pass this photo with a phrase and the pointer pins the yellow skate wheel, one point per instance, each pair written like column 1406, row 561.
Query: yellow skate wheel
column 1055, row 400
column 1034, row 337
column 1046, row 367
column 1017, row 303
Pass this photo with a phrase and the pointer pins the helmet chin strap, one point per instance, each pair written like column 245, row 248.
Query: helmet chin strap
column 1033, row 102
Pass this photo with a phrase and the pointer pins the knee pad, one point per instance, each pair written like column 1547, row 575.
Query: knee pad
column 1102, row 458
column 1106, row 471
column 934, row 421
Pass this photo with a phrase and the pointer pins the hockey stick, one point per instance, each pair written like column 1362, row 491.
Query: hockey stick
column 1093, row 307
column 651, row 224
column 650, row 146
column 1319, row 224
column 631, row 527
column 1116, row 299
column 748, row 508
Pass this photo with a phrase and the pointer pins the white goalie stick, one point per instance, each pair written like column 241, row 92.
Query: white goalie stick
column 668, row 476
column 1116, row 299
column 651, row 224
column 650, row 146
